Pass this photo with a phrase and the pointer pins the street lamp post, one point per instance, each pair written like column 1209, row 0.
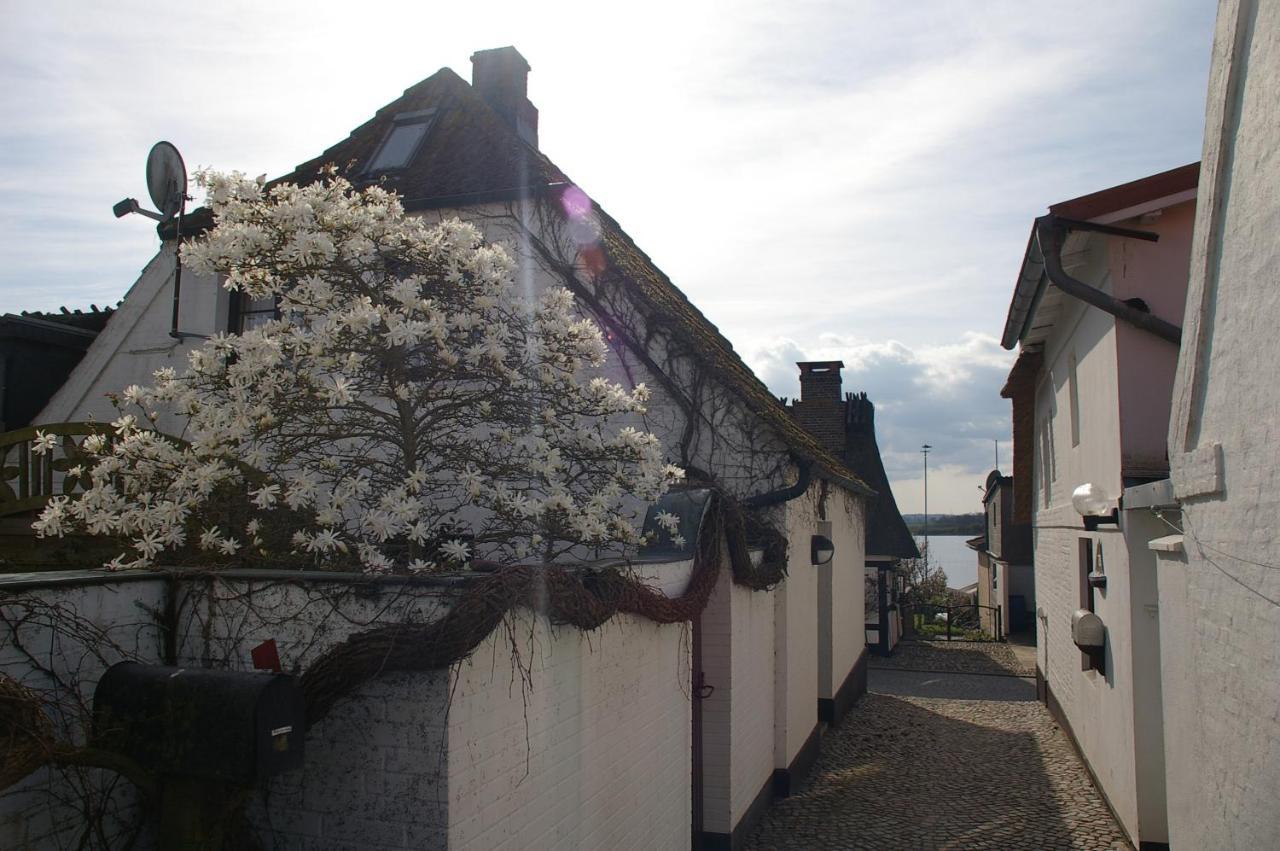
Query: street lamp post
column 924, row 450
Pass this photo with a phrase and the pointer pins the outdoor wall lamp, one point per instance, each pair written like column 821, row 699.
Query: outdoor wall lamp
column 1094, row 504
column 821, row 550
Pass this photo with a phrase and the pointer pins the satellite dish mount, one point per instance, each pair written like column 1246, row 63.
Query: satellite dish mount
column 167, row 185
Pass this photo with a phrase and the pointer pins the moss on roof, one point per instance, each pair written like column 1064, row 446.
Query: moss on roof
column 717, row 352
column 470, row 155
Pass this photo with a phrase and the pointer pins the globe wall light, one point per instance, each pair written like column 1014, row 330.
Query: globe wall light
column 821, row 549
column 1095, row 505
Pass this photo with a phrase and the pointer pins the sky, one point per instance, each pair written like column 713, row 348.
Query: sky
column 824, row 180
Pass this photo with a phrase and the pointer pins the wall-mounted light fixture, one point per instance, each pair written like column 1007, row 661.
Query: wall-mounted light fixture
column 1094, row 504
column 821, row 550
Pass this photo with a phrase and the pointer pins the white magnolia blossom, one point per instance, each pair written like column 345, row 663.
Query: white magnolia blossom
column 408, row 408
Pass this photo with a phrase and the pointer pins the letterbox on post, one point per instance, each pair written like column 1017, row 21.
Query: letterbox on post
column 230, row 726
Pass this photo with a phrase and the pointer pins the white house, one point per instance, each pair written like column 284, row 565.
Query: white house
column 1005, row 589
column 764, row 666
column 1094, row 314
column 1219, row 579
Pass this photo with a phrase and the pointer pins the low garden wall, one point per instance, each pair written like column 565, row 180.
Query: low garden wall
column 583, row 734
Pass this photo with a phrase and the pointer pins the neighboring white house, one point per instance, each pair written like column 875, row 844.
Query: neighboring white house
column 1094, row 313
column 1005, row 589
column 771, row 663
column 1219, row 581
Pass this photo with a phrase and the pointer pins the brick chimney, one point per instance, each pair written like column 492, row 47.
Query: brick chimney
column 501, row 77
column 820, row 408
column 820, row 380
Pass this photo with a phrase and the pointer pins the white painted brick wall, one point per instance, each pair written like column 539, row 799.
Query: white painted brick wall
column 595, row 754
column 796, row 639
column 718, row 657
column 738, row 729
column 753, row 684
column 1220, row 600
column 434, row 760
column 1099, row 708
column 848, row 525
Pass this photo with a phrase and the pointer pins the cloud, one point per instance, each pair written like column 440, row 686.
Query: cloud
column 945, row 394
column 854, row 175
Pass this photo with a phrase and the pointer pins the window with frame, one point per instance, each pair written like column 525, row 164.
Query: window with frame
column 401, row 143
column 1084, row 559
column 1073, row 390
column 246, row 313
column 1046, row 464
column 1047, row 409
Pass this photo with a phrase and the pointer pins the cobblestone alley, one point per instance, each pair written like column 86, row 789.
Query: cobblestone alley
column 936, row 758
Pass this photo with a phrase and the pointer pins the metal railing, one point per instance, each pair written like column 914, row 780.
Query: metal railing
column 963, row 622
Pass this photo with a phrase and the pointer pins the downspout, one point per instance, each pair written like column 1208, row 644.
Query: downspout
column 1051, row 233
column 784, row 494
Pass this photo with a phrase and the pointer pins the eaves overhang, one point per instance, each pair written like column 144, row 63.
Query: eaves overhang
column 1027, row 293
column 1043, row 266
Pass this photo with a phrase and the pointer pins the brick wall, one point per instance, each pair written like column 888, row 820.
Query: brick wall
column 1020, row 389
column 825, row 421
column 370, row 777
column 41, row 811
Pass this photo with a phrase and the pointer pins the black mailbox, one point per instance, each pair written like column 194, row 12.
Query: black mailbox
column 231, row 726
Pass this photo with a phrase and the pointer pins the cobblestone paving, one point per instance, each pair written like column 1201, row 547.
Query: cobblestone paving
column 963, row 657
column 933, row 773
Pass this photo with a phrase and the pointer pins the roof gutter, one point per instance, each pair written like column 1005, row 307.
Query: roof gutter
column 1048, row 236
column 1051, row 233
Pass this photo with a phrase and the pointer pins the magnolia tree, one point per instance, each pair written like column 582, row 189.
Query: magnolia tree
column 407, row 408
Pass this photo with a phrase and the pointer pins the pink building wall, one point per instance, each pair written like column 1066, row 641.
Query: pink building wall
column 1156, row 273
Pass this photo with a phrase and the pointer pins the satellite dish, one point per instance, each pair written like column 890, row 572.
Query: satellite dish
column 166, row 179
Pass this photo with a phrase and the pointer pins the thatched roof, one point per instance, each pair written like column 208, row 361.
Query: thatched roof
column 887, row 532
column 471, row 155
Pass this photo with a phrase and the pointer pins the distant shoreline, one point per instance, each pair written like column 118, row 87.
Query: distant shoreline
column 948, row 524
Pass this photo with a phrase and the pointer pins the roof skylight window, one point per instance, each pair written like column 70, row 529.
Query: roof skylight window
column 402, row 141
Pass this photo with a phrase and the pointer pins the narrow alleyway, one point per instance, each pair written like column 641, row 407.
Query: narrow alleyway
column 938, row 757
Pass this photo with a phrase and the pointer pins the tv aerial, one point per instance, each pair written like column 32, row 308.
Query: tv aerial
column 166, row 182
